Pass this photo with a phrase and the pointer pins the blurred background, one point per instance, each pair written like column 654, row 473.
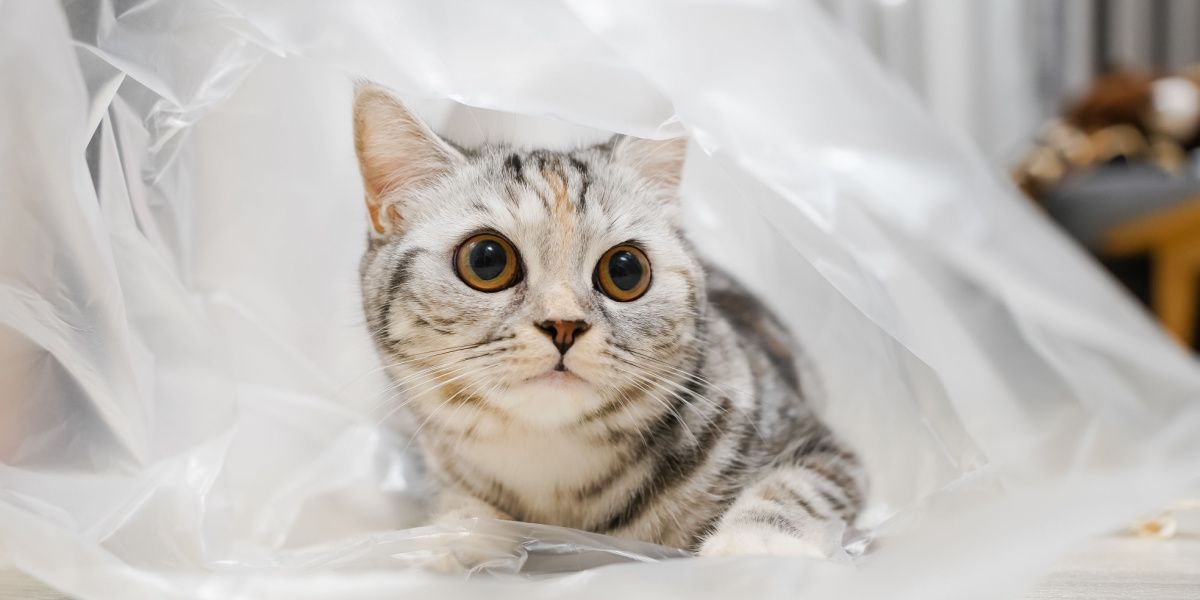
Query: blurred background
column 1092, row 105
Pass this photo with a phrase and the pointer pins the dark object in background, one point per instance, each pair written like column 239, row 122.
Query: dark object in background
column 1090, row 204
column 1118, row 98
column 1120, row 171
column 1123, row 116
column 1142, row 224
column 1158, row 105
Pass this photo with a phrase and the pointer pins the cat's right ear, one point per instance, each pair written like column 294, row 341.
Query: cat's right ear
column 659, row 162
column 397, row 154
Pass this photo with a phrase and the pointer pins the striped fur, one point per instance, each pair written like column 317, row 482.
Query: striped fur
column 681, row 418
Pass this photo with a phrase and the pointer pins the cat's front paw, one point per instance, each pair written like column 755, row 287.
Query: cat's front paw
column 748, row 539
column 464, row 545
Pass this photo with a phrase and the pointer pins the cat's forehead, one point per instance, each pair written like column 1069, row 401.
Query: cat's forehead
column 558, row 200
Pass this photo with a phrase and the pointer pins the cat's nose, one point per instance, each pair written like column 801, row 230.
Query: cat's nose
column 563, row 333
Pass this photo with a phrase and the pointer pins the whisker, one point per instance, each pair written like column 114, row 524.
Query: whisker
column 390, row 392
column 462, row 434
column 658, row 384
column 462, row 372
column 667, row 405
column 691, row 376
column 399, row 386
column 690, row 393
column 627, row 407
column 410, row 358
column 441, row 406
column 683, row 388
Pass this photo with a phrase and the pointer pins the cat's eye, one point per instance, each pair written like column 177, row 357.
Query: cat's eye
column 488, row 263
column 623, row 273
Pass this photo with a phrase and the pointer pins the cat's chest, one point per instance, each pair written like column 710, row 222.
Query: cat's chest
column 545, row 471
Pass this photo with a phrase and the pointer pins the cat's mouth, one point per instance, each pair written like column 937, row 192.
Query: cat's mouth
column 559, row 375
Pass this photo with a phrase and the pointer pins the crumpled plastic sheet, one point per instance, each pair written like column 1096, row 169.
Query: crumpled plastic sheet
column 190, row 407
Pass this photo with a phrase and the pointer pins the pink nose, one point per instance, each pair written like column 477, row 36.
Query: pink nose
column 563, row 333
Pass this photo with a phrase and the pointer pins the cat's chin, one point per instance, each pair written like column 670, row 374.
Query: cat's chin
column 551, row 399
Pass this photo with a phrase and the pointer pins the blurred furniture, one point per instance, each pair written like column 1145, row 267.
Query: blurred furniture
column 1144, row 226
column 1171, row 237
column 1119, row 170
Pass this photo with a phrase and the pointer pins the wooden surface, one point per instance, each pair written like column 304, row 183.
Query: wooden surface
column 1171, row 237
column 1107, row 569
column 1156, row 229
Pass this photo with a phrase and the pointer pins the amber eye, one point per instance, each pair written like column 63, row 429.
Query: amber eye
column 623, row 273
column 487, row 262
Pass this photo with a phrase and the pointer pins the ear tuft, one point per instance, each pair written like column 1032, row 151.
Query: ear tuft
column 659, row 161
column 397, row 153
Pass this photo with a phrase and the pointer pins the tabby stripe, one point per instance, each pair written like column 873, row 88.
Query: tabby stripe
column 657, row 430
column 515, row 169
column 541, row 159
column 632, row 458
column 727, row 493
column 816, row 443
column 601, row 484
column 834, row 502
column 512, row 198
column 672, row 468
column 670, row 423
column 774, row 519
column 585, row 180
column 785, row 496
column 610, row 407
column 496, row 494
column 397, row 280
column 847, row 485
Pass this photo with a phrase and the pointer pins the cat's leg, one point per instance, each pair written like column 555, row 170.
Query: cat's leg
column 799, row 508
column 469, row 539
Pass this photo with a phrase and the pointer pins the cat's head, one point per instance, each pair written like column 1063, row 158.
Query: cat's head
column 537, row 287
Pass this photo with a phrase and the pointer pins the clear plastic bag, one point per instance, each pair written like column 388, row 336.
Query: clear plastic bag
column 189, row 405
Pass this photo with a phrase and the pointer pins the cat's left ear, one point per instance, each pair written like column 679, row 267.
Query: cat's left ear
column 658, row 161
column 397, row 153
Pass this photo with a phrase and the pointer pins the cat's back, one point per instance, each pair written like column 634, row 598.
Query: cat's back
column 766, row 340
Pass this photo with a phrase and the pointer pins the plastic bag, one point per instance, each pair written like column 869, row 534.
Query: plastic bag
column 190, row 405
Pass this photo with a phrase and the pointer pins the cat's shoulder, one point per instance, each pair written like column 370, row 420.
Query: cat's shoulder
column 753, row 322
column 733, row 299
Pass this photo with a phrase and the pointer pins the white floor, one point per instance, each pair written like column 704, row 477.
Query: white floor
column 16, row 585
column 1110, row 569
column 1127, row 567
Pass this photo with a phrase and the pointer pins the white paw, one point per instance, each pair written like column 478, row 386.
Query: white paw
column 741, row 540
column 471, row 545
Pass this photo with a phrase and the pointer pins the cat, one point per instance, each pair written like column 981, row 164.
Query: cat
column 569, row 357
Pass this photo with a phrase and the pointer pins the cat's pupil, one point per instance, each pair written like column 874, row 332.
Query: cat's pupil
column 488, row 260
column 625, row 270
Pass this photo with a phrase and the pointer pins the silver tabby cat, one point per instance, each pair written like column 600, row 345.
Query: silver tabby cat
column 571, row 359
